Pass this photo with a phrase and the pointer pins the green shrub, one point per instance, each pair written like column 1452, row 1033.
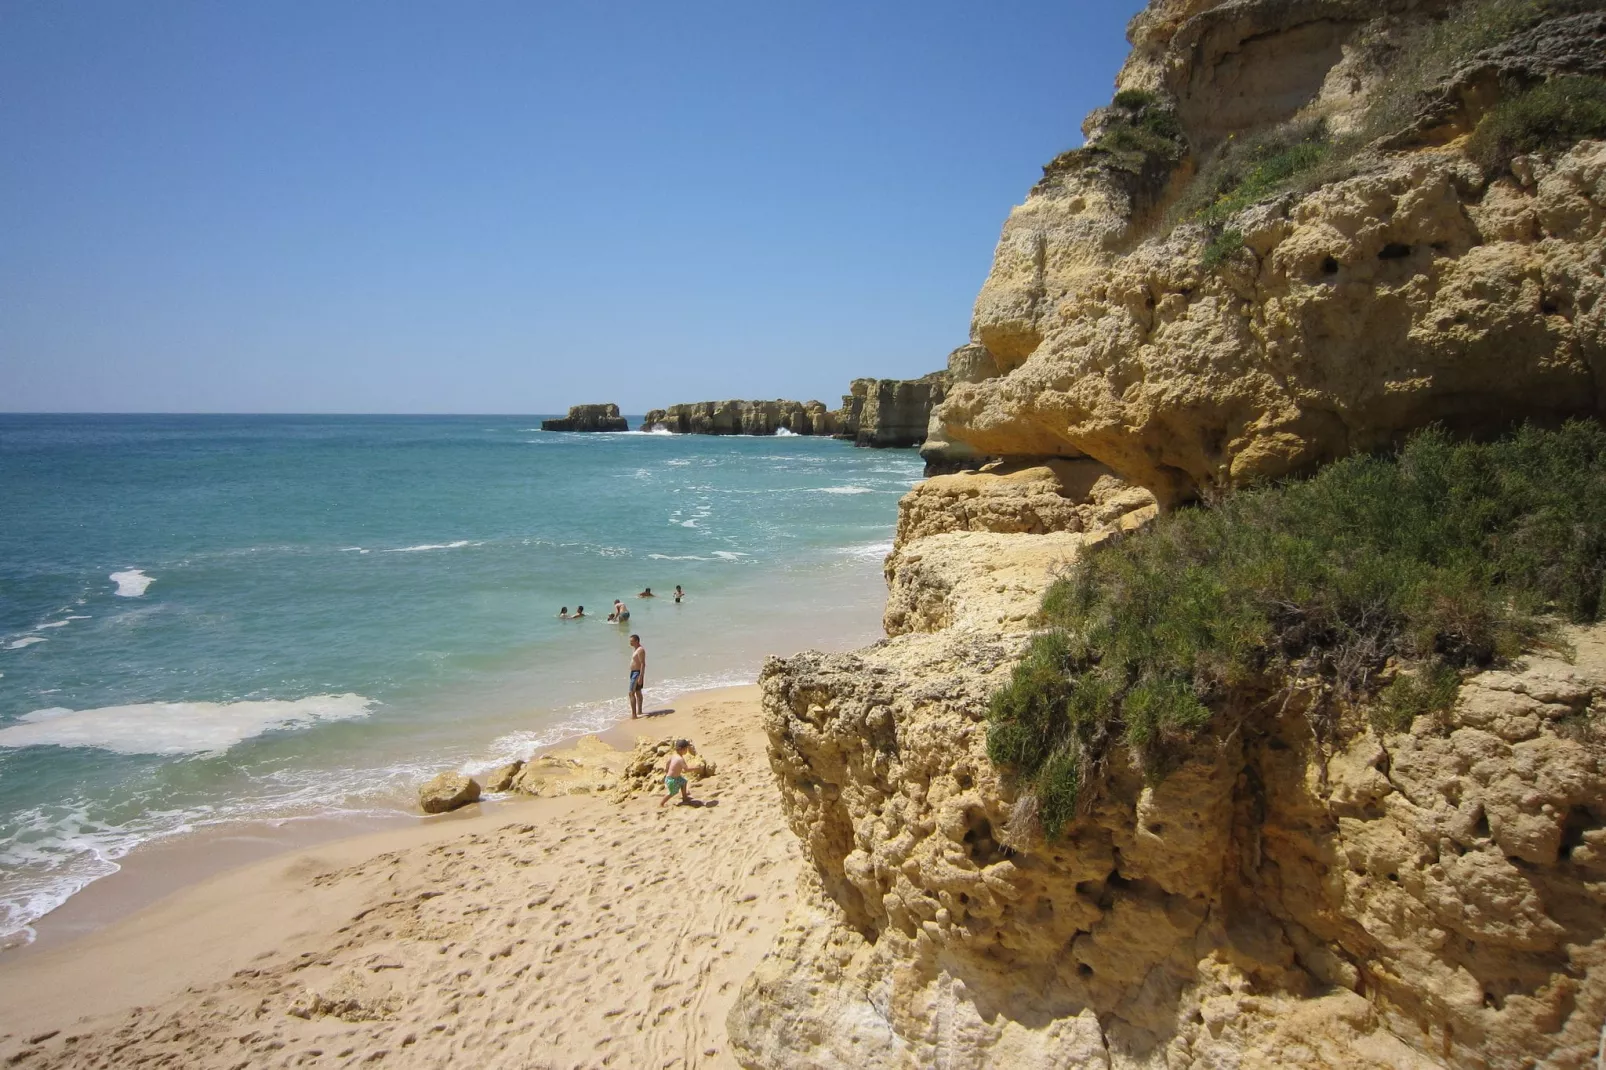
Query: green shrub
column 1219, row 248
column 1551, row 118
column 1243, row 171
column 1411, row 695
column 1146, row 138
column 1445, row 556
column 1437, row 49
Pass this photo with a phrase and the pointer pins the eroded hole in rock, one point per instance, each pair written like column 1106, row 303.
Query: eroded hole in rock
column 1480, row 828
column 1157, row 829
column 1329, row 266
column 1579, row 821
column 980, row 844
column 1084, row 970
column 1394, row 251
column 966, row 781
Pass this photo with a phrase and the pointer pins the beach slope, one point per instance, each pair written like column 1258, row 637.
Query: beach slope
column 576, row 932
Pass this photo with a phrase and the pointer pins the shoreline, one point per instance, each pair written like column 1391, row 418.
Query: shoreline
column 160, row 869
column 199, row 954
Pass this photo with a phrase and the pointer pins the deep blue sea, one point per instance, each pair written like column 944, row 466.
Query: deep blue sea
column 214, row 619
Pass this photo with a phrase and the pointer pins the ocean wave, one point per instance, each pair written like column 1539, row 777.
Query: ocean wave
column 730, row 555
column 56, row 848
column 131, row 583
column 676, row 557
column 869, row 549
column 352, row 550
column 850, row 489
column 176, row 727
column 781, row 432
column 27, row 640
column 459, row 544
column 52, row 624
column 685, row 523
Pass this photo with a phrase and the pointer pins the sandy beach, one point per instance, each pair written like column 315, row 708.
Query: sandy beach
column 569, row 932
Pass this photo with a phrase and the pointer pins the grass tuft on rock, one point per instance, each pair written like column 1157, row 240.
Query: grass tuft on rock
column 1220, row 247
column 1551, row 117
column 1406, row 568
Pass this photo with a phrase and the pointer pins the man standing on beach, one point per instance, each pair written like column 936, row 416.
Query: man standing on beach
column 638, row 674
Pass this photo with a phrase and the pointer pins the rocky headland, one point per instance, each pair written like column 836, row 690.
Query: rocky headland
column 744, row 418
column 589, row 418
column 880, row 413
column 1287, row 241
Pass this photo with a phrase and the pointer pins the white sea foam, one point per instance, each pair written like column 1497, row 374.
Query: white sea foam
column 53, row 624
column 781, row 432
column 730, row 555
column 176, row 727
column 852, row 489
column 80, row 616
column 352, row 550
column 869, row 549
column 459, row 544
column 678, row 462
column 676, row 557
column 685, row 523
column 27, row 640
column 131, row 583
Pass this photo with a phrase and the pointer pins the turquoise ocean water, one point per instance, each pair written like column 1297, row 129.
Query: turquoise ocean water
column 212, row 619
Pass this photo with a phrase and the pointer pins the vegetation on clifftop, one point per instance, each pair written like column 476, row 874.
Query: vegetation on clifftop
column 1376, row 581
column 1551, row 118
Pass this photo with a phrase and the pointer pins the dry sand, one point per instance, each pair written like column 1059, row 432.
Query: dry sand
column 571, row 932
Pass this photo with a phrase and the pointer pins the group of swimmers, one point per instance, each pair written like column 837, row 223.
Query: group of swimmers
column 621, row 612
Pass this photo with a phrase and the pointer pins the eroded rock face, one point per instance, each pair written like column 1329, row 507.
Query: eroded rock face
column 1416, row 291
column 1054, row 495
column 589, row 418
column 1433, row 898
column 744, row 418
column 1372, row 307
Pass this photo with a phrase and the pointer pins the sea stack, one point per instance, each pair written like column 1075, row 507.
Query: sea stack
column 589, row 418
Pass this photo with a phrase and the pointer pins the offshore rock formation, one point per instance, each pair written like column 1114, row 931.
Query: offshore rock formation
column 890, row 412
column 1305, row 894
column 589, row 418
column 744, row 418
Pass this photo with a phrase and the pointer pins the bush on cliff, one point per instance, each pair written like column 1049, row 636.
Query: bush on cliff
column 1551, row 117
column 1445, row 556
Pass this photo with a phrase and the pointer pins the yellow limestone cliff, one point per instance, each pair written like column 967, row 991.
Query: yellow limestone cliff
column 1289, row 898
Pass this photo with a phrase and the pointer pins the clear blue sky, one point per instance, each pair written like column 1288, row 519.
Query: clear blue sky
column 385, row 206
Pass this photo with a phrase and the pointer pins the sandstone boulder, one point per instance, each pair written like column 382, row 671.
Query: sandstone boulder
column 501, row 778
column 448, row 792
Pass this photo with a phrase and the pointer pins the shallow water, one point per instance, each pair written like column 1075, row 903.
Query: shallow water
column 215, row 618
